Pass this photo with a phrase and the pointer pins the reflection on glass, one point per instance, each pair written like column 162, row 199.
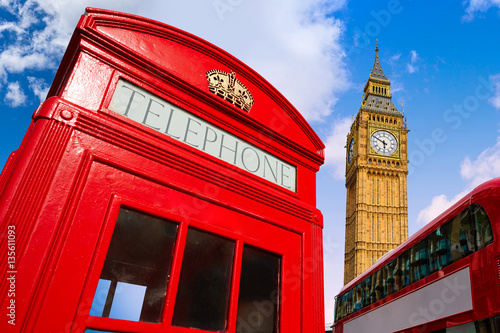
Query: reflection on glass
column 380, row 287
column 467, row 232
column 405, row 269
column 100, row 296
column 483, row 226
column 462, row 239
column 419, row 261
column 203, row 295
column 258, row 300
column 439, row 242
column 358, row 298
column 393, row 277
column 134, row 278
column 128, row 301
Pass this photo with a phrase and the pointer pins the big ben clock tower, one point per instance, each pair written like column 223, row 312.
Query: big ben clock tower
column 376, row 170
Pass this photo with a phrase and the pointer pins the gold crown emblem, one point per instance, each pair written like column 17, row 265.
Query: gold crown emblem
column 226, row 85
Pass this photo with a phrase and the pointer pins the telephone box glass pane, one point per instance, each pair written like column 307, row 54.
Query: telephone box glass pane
column 203, row 295
column 258, row 301
column 134, row 278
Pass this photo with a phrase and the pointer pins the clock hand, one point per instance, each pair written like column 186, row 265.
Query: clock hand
column 381, row 141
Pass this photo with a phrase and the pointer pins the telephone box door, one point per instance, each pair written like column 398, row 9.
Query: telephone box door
column 163, row 258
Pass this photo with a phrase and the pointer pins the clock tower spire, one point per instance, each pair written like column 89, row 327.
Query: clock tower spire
column 376, row 171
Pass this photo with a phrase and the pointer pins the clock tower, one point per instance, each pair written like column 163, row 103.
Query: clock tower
column 376, row 170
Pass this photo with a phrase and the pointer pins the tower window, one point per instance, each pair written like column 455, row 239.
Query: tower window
column 377, row 193
column 373, row 192
column 392, row 229
column 387, row 230
column 387, row 194
column 392, row 196
column 378, row 229
column 373, row 229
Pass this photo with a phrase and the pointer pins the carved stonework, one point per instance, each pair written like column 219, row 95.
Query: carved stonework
column 377, row 206
column 226, row 85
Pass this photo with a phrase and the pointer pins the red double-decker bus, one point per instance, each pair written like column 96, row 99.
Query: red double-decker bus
column 445, row 278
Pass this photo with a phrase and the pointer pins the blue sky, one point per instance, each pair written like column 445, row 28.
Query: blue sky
column 442, row 58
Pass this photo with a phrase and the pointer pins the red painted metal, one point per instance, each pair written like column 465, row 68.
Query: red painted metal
column 79, row 162
column 483, row 265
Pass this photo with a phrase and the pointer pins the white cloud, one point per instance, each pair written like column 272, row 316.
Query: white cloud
column 395, row 58
column 439, row 61
column 411, row 69
column 294, row 44
column 335, row 151
column 15, row 96
column 39, row 87
column 397, row 85
column 438, row 205
column 484, row 167
column 37, row 32
column 15, row 60
column 414, row 58
column 495, row 82
column 475, row 7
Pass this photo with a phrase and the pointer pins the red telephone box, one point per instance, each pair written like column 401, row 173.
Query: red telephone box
column 163, row 186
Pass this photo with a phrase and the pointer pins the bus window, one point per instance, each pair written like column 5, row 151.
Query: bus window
column 373, row 294
column 383, row 273
column 376, row 287
column 379, row 285
column 367, row 291
column 345, row 306
column 358, row 298
column 338, row 301
column 462, row 236
column 405, row 269
column 342, row 306
column 348, row 304
column 393, row 277
column 419, row 261
column 439, row 243
column 484, row 235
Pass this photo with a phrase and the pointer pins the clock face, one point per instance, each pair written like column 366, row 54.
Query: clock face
column 384, row 142
column 350, row 153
